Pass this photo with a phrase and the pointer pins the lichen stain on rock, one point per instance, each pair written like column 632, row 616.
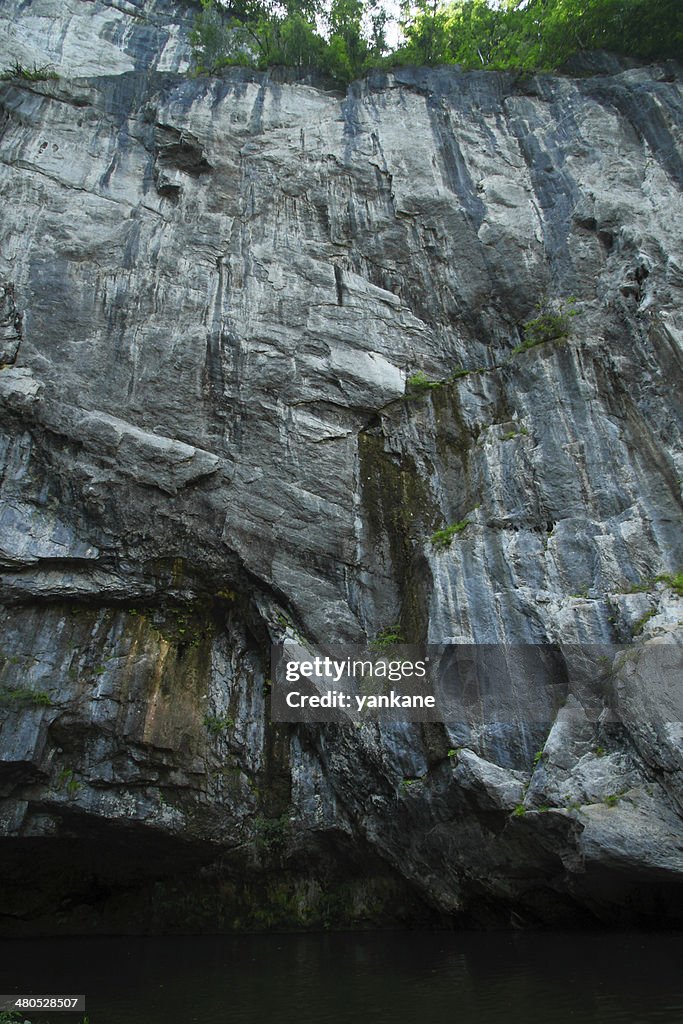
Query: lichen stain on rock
column 397, row 510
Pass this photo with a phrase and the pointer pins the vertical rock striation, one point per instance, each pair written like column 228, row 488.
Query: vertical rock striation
column 220, row 300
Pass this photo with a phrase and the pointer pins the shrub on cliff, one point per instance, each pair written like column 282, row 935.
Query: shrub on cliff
column 552, row 324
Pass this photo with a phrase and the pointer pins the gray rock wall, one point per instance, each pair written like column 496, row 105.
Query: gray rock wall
column 215, row 296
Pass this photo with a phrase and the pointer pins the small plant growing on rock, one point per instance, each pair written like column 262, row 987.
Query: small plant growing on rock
column 419, row 383
column 550, row 325
column 461, row 371
column 638, row 588
column 218, row 724
column 522, row 432
column 42, row 73
column 386, row 638
column 67, row 780
column 642, row 622
column 673, row 581
column 272, row 833
column 443, row 538
column 24, row 697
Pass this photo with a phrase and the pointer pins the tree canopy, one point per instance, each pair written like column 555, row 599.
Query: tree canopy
column 344, row 38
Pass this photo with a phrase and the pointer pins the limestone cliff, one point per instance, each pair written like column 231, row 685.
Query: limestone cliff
column 224, row 303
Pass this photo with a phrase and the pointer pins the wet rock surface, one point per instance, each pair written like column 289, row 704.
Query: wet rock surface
column 260, row 342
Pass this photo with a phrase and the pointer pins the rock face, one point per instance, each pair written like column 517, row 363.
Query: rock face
column 259, row 342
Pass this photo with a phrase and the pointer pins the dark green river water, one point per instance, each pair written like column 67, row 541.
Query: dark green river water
column 370, row 978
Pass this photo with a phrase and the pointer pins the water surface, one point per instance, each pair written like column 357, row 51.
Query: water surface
column 371, row 978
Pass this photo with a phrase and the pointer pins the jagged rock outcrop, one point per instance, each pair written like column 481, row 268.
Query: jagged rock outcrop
column 260, row 341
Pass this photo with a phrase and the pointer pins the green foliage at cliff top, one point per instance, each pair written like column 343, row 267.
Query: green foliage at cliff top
column 345, row 38
column 540, row 34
